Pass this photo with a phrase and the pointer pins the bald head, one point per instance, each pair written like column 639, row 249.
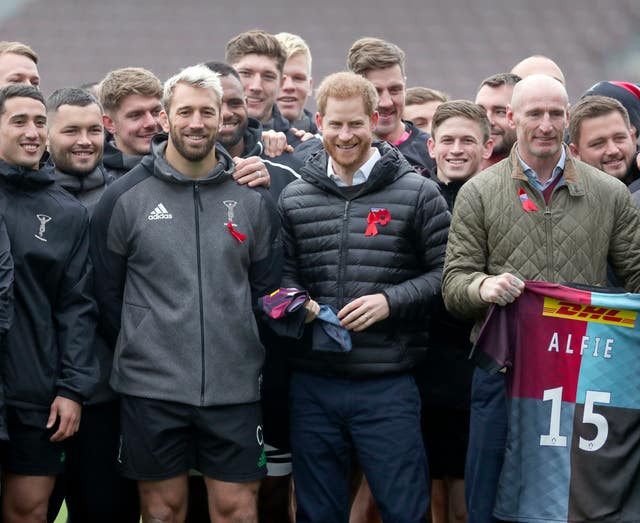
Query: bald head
column 538, row 64
column 539, row 86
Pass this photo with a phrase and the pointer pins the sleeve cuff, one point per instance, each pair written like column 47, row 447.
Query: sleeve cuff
column 69, row 394
column 473, row 292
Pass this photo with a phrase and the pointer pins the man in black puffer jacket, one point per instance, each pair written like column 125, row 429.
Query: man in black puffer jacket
column 365, row 235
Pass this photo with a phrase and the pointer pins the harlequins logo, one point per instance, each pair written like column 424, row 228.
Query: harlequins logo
column 231, row 205
column 591, row 313
column 43, row 219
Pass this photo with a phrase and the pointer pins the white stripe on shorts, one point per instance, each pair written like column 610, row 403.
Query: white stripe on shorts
column 278, row 462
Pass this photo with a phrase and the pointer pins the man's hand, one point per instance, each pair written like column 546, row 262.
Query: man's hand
column 363, row 312
column 251, row 171
column 275, row 143
column 313, row 309
column 302, row 134
column 501, row 289
column 68, row 412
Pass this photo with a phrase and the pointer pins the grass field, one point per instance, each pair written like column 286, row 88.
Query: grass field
column 62, row 516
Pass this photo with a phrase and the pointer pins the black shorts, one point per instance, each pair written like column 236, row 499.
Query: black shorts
column 29, row 451
column 161, row 439
column 445, row 432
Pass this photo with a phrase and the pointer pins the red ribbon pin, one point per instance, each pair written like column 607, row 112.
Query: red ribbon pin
column 237, row 235
column 527, row 204
column 379, row 216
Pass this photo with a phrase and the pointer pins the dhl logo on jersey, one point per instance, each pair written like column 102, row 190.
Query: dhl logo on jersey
column 592, row 313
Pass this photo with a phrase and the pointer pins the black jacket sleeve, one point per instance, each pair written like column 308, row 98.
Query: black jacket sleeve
column 6, row 281
column 75, row 320
column 265, row 272
column 290, row 276
column 110, row 269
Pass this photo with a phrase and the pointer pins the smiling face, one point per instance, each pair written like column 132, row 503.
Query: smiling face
column 234, row 114
column 539, row 113
column 134, row 123
column 347, row 133
column 23, row 132
column 390, row 85
column 261, row 82
column 458, row 149
column 192, row 123
column 296, row 87
column 494, row 101
column 76, row 138
column 607, row 143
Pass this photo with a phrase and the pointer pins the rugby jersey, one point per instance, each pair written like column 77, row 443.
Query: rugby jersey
column 572, row 359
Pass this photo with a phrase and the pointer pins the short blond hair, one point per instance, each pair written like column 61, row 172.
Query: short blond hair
column 293, row 45
column 345, row 85
column 120, row 83
column 18, row 48
column 198, row 76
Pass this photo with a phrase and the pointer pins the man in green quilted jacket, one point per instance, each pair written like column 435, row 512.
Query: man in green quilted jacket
column 540, row 214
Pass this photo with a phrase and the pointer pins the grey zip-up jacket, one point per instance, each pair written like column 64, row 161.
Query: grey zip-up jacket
column 177, row 288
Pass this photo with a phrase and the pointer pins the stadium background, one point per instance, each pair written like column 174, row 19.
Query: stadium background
column 450, row 44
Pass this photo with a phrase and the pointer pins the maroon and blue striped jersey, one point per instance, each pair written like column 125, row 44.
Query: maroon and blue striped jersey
column 572, row 359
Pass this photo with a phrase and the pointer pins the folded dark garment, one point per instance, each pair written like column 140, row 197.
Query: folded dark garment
column 328, row 334
column 282, row 302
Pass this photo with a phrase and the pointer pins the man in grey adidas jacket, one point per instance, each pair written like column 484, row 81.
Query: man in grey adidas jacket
column 184, row 253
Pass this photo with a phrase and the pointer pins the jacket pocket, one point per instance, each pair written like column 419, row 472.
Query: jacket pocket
column 132, row 318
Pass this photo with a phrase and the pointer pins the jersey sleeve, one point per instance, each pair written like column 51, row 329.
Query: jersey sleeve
column 493, row 349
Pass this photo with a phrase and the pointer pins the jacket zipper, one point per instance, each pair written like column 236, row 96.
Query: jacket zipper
column 197, row 206
column 549, row 234
column 343, row 241
column 549, row 231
